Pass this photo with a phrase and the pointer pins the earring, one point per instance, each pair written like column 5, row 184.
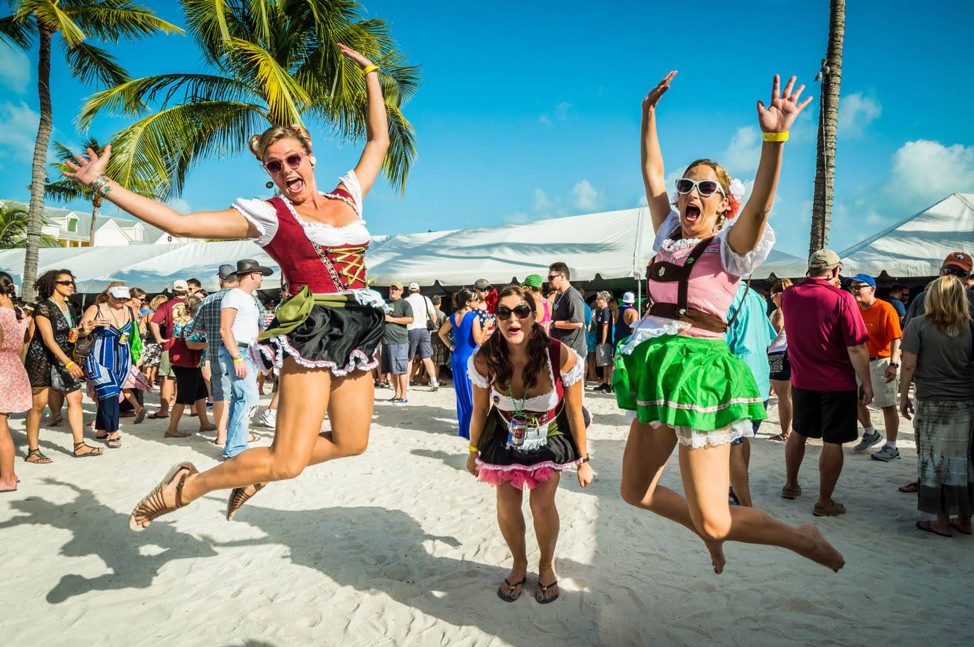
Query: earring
column 311, row 158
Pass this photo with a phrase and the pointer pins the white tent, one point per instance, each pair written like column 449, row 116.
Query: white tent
column 598, row 246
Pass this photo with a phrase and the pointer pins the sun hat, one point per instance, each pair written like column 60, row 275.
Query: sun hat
column 120, row 292
column 823, row 259
column 629, row 298
column 533, row 281
column 249, row 266
column 864, row 278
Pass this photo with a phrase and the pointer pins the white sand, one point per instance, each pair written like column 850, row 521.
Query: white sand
column 400, row 547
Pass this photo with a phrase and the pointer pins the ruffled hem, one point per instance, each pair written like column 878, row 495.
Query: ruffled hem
column 521, row 476
column 357, row 360
column 651, row 327
column 696, row 438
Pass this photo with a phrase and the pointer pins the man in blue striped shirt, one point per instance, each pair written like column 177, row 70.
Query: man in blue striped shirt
column 208, row 321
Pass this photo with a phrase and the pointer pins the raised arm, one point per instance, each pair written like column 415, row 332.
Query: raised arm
column 376, row 123
column 775, row 121
column 227, row 224
column 652, row 158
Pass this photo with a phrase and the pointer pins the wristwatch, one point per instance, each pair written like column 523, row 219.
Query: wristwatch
column 894, row 364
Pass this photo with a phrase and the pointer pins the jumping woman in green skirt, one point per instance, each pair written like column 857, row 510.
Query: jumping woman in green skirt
column 675, row 371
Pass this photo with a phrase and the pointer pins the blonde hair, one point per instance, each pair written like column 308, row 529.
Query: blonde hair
column 192, row 304
column 260, row 143
column 157, row 301
column 945, row 304
column 781, row 285
column 723, row 177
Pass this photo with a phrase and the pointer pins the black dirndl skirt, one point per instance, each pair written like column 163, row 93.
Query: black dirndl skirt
column 341, row 339
column 499, row 464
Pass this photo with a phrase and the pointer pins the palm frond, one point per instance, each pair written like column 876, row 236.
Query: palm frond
column 112, row 20
column 89, row 63
column 49, row 14
column 17, row 32
column 284, row 96
column 65, row 190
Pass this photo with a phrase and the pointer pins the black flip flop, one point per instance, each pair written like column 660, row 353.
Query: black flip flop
column 156, row 416
column 928, row 528
column 509, row 596
column 909, row 488
column 959, row 529
column 544, row 589
column 140, row 416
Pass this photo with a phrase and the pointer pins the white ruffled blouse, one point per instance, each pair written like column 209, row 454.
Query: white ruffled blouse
column 540, row 403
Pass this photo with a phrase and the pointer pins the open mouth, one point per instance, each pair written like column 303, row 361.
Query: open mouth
column 513, row 329
column 295, row 184
column 691, row 213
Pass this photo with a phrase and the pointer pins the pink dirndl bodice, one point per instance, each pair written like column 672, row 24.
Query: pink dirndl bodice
column 14, row 384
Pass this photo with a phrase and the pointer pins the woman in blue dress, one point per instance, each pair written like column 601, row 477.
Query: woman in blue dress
column 110, row 360
column 468, row 335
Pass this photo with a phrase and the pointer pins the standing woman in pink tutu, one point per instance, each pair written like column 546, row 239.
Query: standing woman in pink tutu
column 14, row 384
column 324, row 336
column 528, row 425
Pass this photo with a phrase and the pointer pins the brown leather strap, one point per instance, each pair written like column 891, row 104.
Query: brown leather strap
column 692, row 316
column 741, row 306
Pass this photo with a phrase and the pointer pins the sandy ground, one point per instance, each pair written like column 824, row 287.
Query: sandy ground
column 400, row 547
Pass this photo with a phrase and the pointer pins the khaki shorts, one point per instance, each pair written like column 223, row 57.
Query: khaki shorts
column 885, row 394
column 165, row 368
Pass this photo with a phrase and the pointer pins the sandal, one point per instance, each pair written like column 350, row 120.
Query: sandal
column 55, row 422
column 955, row 526
column 156, row 416
column 36, row 457
column 114, row 443
column 140, row 416
column 909, row 488
column 93, row 451
column 239, row 496
column 779, row 438
column 542, row 589
column 509, row 595
column 927, row 526
column 153, row 505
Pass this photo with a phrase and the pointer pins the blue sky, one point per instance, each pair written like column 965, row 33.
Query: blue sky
column 531, row 110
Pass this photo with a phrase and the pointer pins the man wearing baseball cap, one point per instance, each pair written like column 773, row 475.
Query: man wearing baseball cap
column 488, row 293
column 418, row 331
column 161, row 326
column 827, row 351
column 627, row 316
column 395, row 343
column 959, row 264
column 885, row 336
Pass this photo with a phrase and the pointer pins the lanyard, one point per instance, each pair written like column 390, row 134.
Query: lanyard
column 518, row 410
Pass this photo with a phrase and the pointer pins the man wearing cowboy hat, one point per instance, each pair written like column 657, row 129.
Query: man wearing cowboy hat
column 239, row 327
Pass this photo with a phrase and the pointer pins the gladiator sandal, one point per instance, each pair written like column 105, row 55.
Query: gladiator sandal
column 153, row 505
column 239, row 496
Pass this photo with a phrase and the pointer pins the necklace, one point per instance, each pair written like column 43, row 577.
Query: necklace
column 65, row 312
column 518, row 410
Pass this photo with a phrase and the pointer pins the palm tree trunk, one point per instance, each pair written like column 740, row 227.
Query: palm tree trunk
column 95, row 206
column 35, row 217
column 827, row 118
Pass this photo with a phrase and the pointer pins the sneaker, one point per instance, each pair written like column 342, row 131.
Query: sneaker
column 434, row 386
column 867, row 442
column 269, row 418
column 399, row 401
column 886, row 454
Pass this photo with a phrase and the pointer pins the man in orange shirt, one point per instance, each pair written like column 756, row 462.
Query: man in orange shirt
column 885, row 335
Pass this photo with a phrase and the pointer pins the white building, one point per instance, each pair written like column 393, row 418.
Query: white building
column 72, row 228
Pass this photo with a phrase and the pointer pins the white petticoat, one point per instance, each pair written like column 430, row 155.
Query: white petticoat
column 697, row 438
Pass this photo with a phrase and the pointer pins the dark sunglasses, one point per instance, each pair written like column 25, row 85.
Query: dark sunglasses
column 65, row 282
column 522, row 311
column 955, row 271
column 294, row 161
column 705, row 188
column 552, row 277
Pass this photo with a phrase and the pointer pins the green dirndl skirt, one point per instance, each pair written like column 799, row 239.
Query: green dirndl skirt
column 696, row 386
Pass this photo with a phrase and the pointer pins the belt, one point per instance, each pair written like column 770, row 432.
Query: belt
column 296, row 309
column 873, row 358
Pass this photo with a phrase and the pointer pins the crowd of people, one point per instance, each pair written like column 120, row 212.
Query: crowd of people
column 694, row 366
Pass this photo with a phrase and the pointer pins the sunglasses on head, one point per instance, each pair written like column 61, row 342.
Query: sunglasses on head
column 522, row 311
column 65, row 282
column 955, row 271
column 293, row 160
column 705, row 188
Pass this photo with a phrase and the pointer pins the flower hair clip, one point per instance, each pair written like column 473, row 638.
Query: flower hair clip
column 736, row 198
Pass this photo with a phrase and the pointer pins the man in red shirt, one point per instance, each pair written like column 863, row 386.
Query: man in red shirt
column 160, row 326
column 827, row 351
column 883, row 324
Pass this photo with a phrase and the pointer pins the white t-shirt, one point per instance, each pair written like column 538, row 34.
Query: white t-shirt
column 246, row 325
column 422, row 307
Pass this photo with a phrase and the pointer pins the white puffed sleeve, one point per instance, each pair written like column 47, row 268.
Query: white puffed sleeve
column 350, row 180
column 262, row 215
column 476, row 377
column 671, row 224
column 744, row 264
column 575, row 373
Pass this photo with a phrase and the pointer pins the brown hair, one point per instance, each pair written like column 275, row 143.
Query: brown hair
column 946, row 304
column 498, row 358
column 137, row 293
column 103, row 297
column 561, row 268
column 260, row 143
column 8, row 289
column 780, row 286
column 192, row 304
column 724, row 178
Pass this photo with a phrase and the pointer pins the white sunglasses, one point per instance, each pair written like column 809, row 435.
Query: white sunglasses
column 705, row 188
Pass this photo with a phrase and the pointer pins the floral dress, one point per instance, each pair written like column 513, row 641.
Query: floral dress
column 14, row 384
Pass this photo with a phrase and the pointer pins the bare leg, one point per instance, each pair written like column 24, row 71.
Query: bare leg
column 165, row 395
column 864, row 419
column 546, row 526
column 173, row 430
column 8, row 478
column 38, row 402
column 350, row 411
column 891, row 417
column 705, row 479
column 221, row 413
column 829, row 467
column 794, row 454
column 511, row 522
column 782, row 390
column 205, row 424
column 607, row 375
column 430, row 368
column 55, row 401
column 132, row 400
column 739, row 455
column 76, row 415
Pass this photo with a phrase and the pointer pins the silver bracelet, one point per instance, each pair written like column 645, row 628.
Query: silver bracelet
column 100, row 185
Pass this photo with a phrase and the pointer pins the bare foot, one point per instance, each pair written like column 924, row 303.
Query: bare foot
column 716, row 549
column 207, row 428
column 547, row 576
column 9, row 486
column 820, row 550
column 961, row 524
column 176, row 434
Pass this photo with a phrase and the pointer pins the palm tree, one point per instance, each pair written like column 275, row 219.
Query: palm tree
column 831, row 77
column 274, row 62
column 74, row 20
column 67, row 190
column 13, row 229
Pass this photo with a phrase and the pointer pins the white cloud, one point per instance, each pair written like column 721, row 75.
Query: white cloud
column 559, row 114
column 924, row 171
column 19, row 131
column 743, row 152
column 585, row 196
column 856, row 111
column 541, row 201
column 516, row 218
column 14, row 69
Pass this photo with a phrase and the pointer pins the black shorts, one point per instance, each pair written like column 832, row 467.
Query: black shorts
column 829, row 415
column 190, row 385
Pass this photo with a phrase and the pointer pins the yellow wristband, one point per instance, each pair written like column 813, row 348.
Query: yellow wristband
column 473, row 450
column 775, row 137
column 370, row 68
column 69, row 364
column 237, row 359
